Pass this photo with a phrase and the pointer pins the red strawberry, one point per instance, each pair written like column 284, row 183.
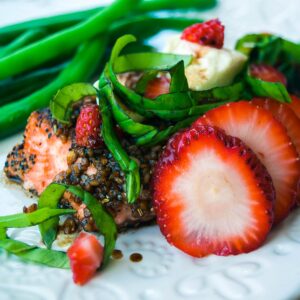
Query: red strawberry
column 157, row 87
column 85, row 254
column 210, row 33
column 211, row 194
column 284, row 115
column 295, row 105
column 267, row 73
column 88, row 127
column 269, row 140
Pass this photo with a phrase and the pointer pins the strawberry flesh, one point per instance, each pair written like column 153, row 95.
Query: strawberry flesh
column 295, row 105
column 267, row 73
column 157, row 86
column 211, row 194
column 85, row 254
column 210, row 33
column 268, row 138
column 88, row 127
column 284, row 115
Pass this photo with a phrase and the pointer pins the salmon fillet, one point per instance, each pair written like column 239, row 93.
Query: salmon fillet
column 49, row 154
column 40, row 157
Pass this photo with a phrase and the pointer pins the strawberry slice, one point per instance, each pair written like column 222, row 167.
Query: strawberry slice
column 284, row 115
column 85, row 254
column 267, row 73
column 295, row 105
column 212, row 195
column 269, row 140
column 157, row 87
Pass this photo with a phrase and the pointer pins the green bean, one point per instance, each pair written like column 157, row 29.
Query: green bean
column 153, row 5
column 24, row 39
column 128, row 165
column 50, row 199
column 145, row 26
column 51, row 24
column 51, row 47
column 13, row 116
column 62, row 21
column 13, row 91
column 21, row 86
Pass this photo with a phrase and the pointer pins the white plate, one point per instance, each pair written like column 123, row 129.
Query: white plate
column 272, row 272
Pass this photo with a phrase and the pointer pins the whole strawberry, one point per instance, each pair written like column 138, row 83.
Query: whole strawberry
column 88, row 127
column 210, row 33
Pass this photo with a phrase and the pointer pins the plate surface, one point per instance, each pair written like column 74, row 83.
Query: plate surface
column 272, row 272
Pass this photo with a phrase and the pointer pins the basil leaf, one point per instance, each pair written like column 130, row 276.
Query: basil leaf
column 50, row 198
column 231, row 93
column 179, row 82
column 31, row 219
column 104, row 221
column 148, row 61
column 2, row 233
column 119, row 46
column 275, row 90
column 261, row 48
column 154, row 138
column 50, row 258
column 268, row 48
column 292, row 50
column 62, row 102
column 128, row 166
column 122, row 115
column 143, row 82
column 176, row 105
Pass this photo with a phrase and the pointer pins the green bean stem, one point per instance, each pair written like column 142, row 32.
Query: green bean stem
column 24, row 39
column 13, row 116
column 62, row 21
column 16, row 88
column 62, row 42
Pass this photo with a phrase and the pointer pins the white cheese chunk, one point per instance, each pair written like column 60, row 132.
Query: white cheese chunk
column 210, row 67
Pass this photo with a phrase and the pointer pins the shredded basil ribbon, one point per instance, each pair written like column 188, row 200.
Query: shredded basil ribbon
column 275, row 51
column 27, row 252
column 61, row 104
column 104, row 221
column 47, row 219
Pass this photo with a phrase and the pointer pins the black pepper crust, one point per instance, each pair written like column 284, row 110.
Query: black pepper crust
column 96, row 171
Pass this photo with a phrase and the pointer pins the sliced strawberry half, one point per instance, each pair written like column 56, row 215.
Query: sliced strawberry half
column 284, row 115
column 268, row 138
column 295, row 105
column 212, row 195
column 157, row 87
column 85, row 254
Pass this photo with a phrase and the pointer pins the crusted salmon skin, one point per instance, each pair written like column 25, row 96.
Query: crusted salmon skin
column 50, row 153
column 42, row 155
